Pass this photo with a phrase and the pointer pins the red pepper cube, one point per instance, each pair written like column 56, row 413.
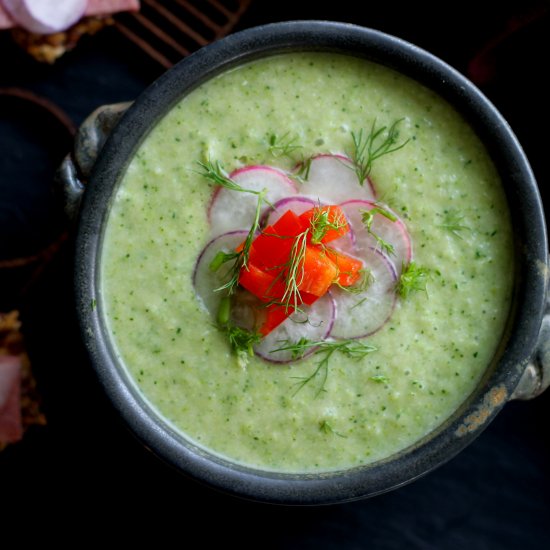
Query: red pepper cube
column 326, row 216
column 271, row 249
column 349, row 268
column 275, row 314
column 317, row 273
column 288, row 225
column 265, row 286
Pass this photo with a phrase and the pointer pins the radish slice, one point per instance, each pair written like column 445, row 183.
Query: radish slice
column 207, row 281
column 393, row 232
column 230, row 210
column 313, row 322
column 45, row 16
column 296, row 203
column 333, row 178
column 364, row 313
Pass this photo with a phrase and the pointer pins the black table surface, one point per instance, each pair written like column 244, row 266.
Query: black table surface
column 85, row 471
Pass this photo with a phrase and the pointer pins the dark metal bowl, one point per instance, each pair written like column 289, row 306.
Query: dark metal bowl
column 520, row 367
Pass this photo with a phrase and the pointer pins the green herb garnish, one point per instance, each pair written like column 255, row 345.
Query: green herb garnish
column 367, row 217
column 380, row 379
column 413, row 279
column 242, row 342
column 321, row 224
column 221, row 258
column 452, row 221
column 294, row 271
column 369, row 147
column 327, row 428
column 283, row 146
column 366, row 279
column 303, row 173
column 325, row 349
column 215, row 172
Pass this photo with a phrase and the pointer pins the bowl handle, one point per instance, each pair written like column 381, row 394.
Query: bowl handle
column 76, row 168
column 536, row 376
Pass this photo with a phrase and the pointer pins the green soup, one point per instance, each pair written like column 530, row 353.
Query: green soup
column 429, row 356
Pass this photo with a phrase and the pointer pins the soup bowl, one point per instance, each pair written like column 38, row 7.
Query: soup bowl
column 108, row 142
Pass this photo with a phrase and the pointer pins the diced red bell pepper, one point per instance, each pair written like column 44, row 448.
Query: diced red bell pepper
column 270, row 256
column 332, row 218
column 271, row 249
column 319, row 272
column 264, row 285
column 275, row 314
column 349, row 268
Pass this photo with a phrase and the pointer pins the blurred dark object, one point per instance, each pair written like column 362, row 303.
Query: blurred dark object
column 35, row 135
column 510, row 67
column 170, row 30
column 21, row 406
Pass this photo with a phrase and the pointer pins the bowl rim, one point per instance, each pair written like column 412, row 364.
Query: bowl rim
column 531, row 250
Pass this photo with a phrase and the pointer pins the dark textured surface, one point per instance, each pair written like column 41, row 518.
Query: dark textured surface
column 85, row 472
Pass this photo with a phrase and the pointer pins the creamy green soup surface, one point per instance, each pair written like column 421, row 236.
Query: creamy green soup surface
column 429, row 356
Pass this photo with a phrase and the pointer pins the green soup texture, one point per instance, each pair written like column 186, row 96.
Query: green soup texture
column 431, row 354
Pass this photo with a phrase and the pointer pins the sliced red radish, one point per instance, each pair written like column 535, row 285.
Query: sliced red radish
column 388, row 228
column 205, row 280
column 45, row 16
column 230, row 210
column 312, row 322
column 332, row 178
column 361, row 314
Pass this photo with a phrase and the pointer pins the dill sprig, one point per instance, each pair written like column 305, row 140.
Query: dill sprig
column 367, row 217
column 327, row 428
column 283, row 146
column 293, row 272
column 452, row 221
column 369, row 147
column 365, row 280
column 325, row 349
column 321, row 224
column 302, row 175
column 215, row 172
column 242, row 342
column 413, row 279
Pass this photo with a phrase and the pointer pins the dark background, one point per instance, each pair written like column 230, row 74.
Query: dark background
column 84, row 472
